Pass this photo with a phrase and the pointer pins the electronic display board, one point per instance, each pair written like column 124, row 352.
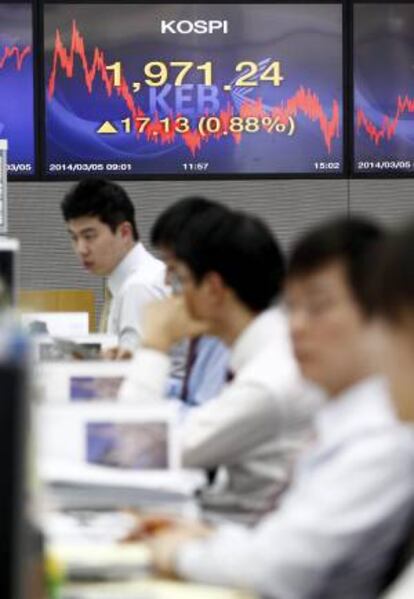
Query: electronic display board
column 16, row 86
column 193, row 89
column 383, row 88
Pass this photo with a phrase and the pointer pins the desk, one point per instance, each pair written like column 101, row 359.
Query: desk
column 150, row 589
column 128, row 568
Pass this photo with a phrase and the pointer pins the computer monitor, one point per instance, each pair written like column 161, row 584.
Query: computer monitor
column 17, row 61
column 383, row 50
column 189, row 90
column 13, row 475
column 8, row 271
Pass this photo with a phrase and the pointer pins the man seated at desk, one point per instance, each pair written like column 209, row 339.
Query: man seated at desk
column 340, row 523
column 208, row 357
column 394, row 303
column 101, row 222
column 231, row 271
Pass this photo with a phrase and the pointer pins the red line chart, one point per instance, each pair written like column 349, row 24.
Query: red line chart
column 14, row 53
column 387, row 130
column 304, row 101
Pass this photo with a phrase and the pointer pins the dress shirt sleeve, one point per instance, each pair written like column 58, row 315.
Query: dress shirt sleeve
column 404, row 586
column 132, row 301
column 242, row 416
column 346, row 514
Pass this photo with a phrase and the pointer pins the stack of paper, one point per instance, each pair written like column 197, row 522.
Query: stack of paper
column 88, row 486
column 152, row 589
column 102, row 562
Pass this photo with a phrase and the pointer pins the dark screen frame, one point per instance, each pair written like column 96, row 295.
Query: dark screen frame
column 349, row 172
column 44, row 176
column 13, row 527
column 36, row 175
column 353, row 173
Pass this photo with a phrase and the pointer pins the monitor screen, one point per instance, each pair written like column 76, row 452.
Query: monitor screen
column 384, row 88
column 16, row 85
column 9, row 249
column 193, row 89
column 15, row 563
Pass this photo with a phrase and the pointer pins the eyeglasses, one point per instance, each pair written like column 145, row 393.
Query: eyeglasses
column 314, row 308
column 178, row 279
column 175, row 282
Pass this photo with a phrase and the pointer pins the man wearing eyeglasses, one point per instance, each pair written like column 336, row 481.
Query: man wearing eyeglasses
column 230, row 271
column 338, row 528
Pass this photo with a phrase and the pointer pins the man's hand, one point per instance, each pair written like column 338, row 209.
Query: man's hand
column 116, row 353
column 150, row 525
column 164, row 536
column 168, row 321
column 166, row 545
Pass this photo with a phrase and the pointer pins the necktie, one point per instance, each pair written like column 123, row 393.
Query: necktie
column 229, row 376
column 192, row 353
column 103, row 323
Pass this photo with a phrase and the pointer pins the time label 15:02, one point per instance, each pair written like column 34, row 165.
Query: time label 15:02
column 158, row 73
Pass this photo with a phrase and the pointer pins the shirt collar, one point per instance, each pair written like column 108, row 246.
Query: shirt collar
column 365, row 405
column 128, row 265
column 265, row 327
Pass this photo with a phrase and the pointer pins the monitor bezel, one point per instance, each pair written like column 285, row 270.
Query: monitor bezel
column 353, row 173
column 342, row 174
column 35, row 175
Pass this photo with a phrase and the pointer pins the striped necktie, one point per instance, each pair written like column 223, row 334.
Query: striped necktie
column 103, row 323
column 191, row 357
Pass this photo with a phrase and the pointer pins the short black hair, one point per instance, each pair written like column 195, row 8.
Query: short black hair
column 239, row 247
column 393, row 289
column 106, row 200
column 354, row 242
column 170, row 224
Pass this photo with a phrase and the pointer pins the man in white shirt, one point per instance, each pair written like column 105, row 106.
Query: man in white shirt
column 351, row 497
column 230, row 270
column 101, row 222
column 208, row 357
column 394, row 335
